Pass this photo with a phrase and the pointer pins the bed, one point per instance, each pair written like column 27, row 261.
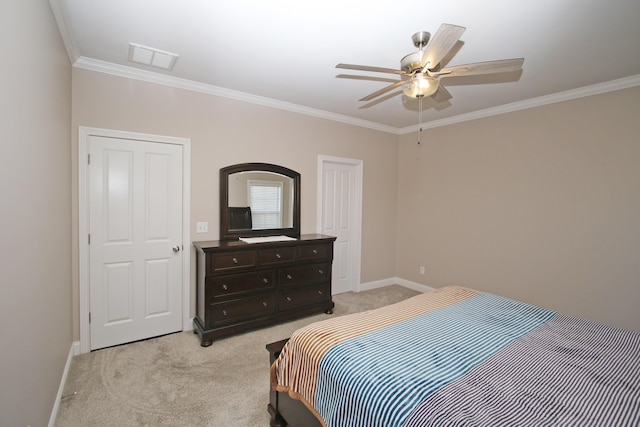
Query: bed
column 456, row 356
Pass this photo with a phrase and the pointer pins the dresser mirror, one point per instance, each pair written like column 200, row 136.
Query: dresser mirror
column 259, row 199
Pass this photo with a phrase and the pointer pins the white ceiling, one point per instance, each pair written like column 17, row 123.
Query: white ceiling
column 283, row 53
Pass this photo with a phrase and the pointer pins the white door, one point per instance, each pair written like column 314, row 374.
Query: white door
column 340, row 187
column 135, row 240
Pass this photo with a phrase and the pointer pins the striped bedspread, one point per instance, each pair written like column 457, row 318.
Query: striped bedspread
column 456, row 356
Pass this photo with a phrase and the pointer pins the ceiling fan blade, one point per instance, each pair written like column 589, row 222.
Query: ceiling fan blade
column 442, row 42
column 367, row 68
column 442, row 94
column 488, row 67
column 381, row 91
column 370, row 78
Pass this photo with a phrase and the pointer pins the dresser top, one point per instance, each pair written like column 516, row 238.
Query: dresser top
column 221, row 244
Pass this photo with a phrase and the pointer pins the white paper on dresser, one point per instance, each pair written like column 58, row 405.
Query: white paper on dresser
column 266, row 239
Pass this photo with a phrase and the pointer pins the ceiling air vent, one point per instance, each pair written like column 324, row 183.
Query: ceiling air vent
column 150, row 56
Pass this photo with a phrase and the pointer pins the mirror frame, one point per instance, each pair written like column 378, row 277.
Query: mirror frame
column 226, row 233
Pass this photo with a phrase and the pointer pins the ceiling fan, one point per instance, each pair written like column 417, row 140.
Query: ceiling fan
column 420, row 71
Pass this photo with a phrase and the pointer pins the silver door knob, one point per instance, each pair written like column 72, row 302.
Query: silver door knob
column 176, row 248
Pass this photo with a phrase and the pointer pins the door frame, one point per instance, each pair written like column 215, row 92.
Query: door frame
column 84, row 135
column 322, row 161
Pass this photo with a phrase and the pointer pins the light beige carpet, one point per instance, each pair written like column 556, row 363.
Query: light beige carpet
column 173, row 381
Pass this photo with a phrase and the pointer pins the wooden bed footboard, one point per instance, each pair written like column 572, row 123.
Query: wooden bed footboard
column 284, row 410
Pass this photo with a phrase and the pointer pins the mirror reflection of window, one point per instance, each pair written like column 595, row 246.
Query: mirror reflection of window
column 265, row 200
column 280, row 217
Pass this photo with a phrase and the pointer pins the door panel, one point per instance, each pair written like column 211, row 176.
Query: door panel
column 158, row 288
column 135, row 222
column 118, row 291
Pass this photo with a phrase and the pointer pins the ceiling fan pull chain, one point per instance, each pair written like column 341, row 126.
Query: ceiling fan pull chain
column 419, row 119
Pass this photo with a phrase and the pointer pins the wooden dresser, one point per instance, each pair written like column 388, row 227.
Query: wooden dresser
column 243, row 286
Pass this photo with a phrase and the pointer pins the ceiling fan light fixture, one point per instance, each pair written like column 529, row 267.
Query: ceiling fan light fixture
column 420, row 86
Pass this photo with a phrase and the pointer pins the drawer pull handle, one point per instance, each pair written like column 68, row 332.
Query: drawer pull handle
column 315, row 251
column 224, row 312
column 289, row 277
column 265, row 280
column 321, row 271
column 235, row 260
column 225, row 288
column 278, row 256
column 319, row 292
column 265, row 303
column 289, row 299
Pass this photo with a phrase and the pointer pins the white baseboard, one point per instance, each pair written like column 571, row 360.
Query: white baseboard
column 419, row 287
column 73, row 351
column 375, row 285
column 394, row 281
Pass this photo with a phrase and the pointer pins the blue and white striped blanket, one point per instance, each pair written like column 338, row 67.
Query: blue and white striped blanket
column 471, row 358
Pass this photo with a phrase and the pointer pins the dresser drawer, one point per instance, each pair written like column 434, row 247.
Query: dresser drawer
column 319, row 251
column 241, row 283
column 229, row 261
column 277, row 256
column 297, row 297
column 304, row 274
column 241, row 309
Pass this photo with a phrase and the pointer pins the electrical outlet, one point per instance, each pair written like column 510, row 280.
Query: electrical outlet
column 202, row 227
column 421, row 270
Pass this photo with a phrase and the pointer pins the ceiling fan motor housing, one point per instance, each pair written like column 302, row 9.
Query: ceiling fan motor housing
column 411, row 62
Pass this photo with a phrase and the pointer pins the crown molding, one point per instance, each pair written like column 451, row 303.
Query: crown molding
column 60, row 15
column 568, row 95
column 162, row 79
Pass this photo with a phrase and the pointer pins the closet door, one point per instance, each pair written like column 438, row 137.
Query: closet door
column 340, row 186
column 135, row 242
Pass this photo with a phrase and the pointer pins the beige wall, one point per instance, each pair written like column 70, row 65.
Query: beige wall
column 35, row 212
column 541, row 205
column 225, row 132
